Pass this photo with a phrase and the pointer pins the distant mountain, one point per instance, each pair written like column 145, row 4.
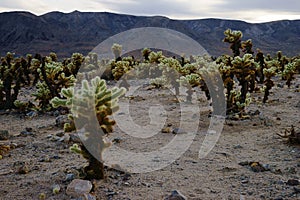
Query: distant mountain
column 66, row 33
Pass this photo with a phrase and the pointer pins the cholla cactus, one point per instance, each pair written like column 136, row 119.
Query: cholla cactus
column 289, row 72
column 234, row 38
column 121, row 68
column 117, row 50
column 53, row 79
column 247, row 46
column 93, row 96
column 261, row 60
column 11, row 79
column 155, row 57
column 268, row 73
column 191, row 80
column 146, row 52
column 245, row 69
column 160, row 82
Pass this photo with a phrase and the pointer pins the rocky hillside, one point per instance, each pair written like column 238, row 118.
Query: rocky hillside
column 65, row 33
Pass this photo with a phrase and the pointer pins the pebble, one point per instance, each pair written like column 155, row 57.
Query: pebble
column 4, row 134
column 61, row 120
column 78, row 188
column 244, row 181
column 32, row 114
column 237, row 146
column 293, row 182
column 24, row 169
column 176, row 195
column 26, row 133
column 60, row 134
column 70, row 177
column 178, row 131
column 88, row 197
column 297, row 189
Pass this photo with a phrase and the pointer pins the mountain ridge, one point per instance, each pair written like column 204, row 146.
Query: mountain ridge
column 22, row 32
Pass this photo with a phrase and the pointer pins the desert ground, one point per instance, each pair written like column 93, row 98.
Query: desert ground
column 40, row 158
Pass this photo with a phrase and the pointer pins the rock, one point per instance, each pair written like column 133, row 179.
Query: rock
column 88, row 197
column 293, row 182
column 257, row 167
column 74, row 138
column 298, row 105
column 56, row 113
column 70, row 177
column 32, row 114
column 61, row 120
column 237, row 146
column 176, row 195
column 4, row 134
column 178, row 131
column 60, row 134
column 297, row 190
column 26, row 133
column 245, row 181
column 117, row 140
column 24, row 169
column 78, row 188
column 29, row 129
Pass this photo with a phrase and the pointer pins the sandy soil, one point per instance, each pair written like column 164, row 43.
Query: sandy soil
column 220, row 175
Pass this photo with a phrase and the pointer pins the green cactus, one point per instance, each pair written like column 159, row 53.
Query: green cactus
column 146, row 52
column 245, row 69
column 121, row 68
column 11, row 80
column 91, row 96
column 289, row 72
column 117, row 50
column 233, row 38
column 261, row 60
column 268, row 73
column 247, row 46
column 52, row 80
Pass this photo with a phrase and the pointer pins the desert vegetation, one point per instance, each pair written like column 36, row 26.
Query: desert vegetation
column 74, row 86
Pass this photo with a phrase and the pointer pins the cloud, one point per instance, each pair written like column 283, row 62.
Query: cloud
column 255, row 10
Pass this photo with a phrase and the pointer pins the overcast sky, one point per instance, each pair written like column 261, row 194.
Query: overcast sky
column 250, row 10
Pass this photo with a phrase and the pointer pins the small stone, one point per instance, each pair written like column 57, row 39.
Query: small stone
column 24, row 169
column 26, row 133
column 74, row 138
column 280, row 182
column 176, row 195
column 244, row 163
column 78, row 188
column 56, row 113
column 237, row 146
column 61, row 120
column 70, row 177
column 60, row 134
column 297, row 190
column 32, row 114
column 245, row 181
column 293, row 182
column 117, row 140
column 4, row 134
column 89, row 197
column 29, row 129
column 178, row 131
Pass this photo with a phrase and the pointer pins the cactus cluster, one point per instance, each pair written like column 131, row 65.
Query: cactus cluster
column 13, row 75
